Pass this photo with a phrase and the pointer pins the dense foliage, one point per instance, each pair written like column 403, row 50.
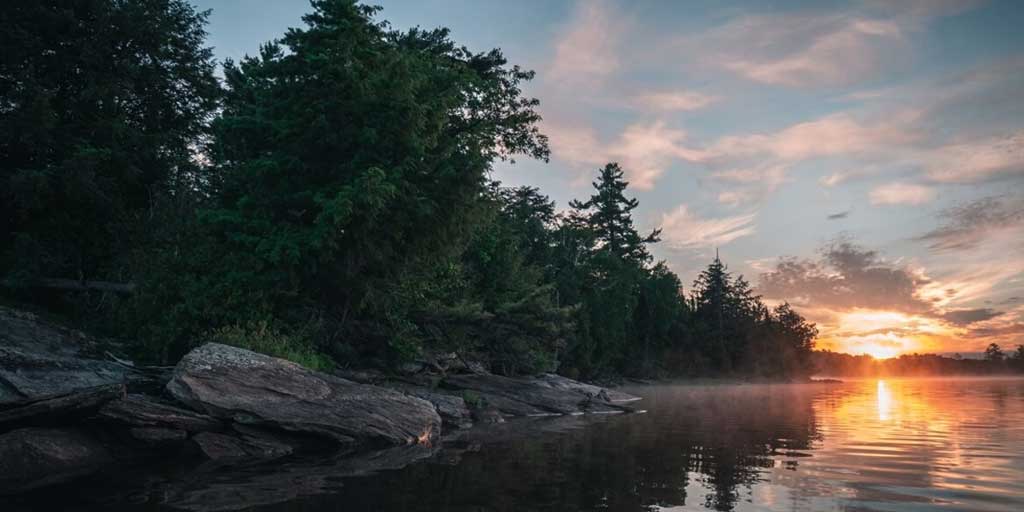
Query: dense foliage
column 338, row 208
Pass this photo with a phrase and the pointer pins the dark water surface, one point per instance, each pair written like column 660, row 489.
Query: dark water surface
column 892, row 445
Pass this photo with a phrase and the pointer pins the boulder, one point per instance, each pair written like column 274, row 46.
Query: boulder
column 538, row 396
column 37, row 457
column 254, row 389
column 40, row 359
column 143, row 411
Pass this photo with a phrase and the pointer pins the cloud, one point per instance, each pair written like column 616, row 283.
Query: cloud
column 847, row 276
column 969, row 316
column 588, row 49
column 644, row 150
column 675, row 100
column 839, row 215
column 981, row 160
column 839, row 177
column 968, row 225
column 839, row 52
column 681, row 229
column 901, row 193
column 833, row 135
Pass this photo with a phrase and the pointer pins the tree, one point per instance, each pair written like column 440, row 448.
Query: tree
column 608, row 215
column 103, row 104
column 994, row 353
column 353, row 159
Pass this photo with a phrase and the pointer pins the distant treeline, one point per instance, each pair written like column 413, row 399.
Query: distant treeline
column 995, row 362
column 330, row 201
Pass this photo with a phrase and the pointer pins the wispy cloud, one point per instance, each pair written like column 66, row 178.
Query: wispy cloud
column 682, row 229
column 839, row 52
column 901, row 193
column 678, row 100
column 588, row 48
column 980, row 160
column 968, row 225
column 645, row 150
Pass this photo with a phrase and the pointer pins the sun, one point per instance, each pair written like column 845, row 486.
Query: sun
column 879, row 351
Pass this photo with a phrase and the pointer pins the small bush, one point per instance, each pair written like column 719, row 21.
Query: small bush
column 263, row 338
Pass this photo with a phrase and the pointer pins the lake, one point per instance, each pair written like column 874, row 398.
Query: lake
column 878, row 445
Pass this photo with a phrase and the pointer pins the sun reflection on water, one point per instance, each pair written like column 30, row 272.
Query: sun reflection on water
column 884, row 401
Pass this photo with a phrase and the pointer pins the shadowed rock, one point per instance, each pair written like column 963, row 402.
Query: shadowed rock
column 37, row 457
column 249, row 388
column 49, row 408
column 142, row 411
column 538, row 396
column 39, row 359
column 222, row 447
column 157, row 436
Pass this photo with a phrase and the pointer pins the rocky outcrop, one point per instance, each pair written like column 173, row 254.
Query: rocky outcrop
column 538, row 396
column 37, row 457
column 55, row 407
column 142, row 411
column 249, row 388
column 40, row 359
column 452, row 409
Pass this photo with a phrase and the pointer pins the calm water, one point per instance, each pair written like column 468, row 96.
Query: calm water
column 892, row 445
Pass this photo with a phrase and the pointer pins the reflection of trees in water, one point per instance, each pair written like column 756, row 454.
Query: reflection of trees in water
column 718, row 437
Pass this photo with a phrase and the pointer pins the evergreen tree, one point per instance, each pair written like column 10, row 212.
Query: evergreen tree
column 608, row 215
column 103, row 103
column 353, row 159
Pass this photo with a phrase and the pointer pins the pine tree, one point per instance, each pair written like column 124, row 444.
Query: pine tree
column 608, row 215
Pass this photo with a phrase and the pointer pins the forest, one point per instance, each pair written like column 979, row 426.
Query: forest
column 994, row 361
column 330, row 200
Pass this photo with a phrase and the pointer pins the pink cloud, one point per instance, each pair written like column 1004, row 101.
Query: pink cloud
column 901, row 193
column 644, row 150
column 675, row 100
column 588, row 49
column 682, row 229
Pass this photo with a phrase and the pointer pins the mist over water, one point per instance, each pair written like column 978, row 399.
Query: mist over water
column 878, row 445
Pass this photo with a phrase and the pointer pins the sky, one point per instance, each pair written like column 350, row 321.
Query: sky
column 862, row 160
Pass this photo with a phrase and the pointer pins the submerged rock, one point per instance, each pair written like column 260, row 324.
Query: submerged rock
column 249, row 388
column 222, row 447
column 36, row 457
column 39, row 359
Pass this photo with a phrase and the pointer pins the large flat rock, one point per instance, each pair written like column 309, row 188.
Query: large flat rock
column 249, row 388
column 40, row 359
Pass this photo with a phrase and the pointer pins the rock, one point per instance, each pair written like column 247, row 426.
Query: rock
column 158, row 436
column 488, row 415
column 75, row 402
column 537, row 396
column 254, row 389
column 142, row 411
column 367, row 376
column 221, row 447
column 559, row 382
column 39, row 359
column 452, row 409
column 35, row 457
